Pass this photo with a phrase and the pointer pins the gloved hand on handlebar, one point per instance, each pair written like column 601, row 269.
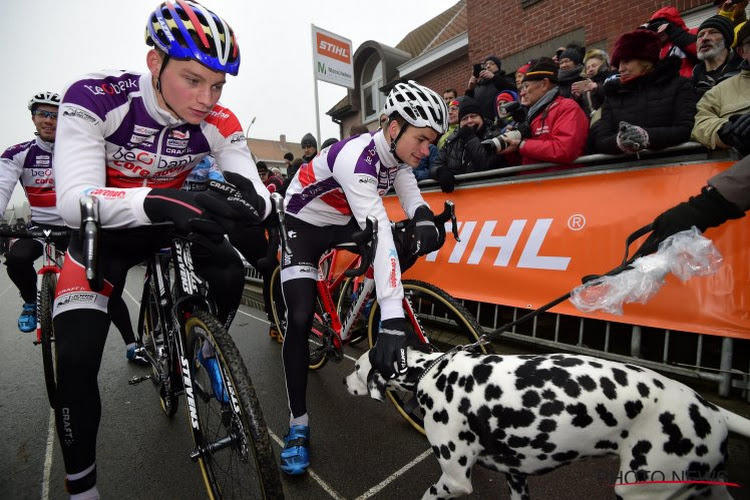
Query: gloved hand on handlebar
column 239, row 192
column 190, row 211
column 425, row 236
column 388, row 356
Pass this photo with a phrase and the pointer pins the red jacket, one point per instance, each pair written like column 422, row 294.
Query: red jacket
column 559, row 134
column 687, row 52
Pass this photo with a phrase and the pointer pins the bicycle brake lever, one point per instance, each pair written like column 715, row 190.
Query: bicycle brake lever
column 278, row 205
column 451, row 207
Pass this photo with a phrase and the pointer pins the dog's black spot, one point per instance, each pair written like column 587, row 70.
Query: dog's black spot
column 701, row 450
column 705, row 403
column 633, row 408
column 445, row 452
column 448, row 393
column 469, row 385
column 677, row 444
column 620, row 376
column 510, row 417
column 541, row 441
column 605, row 444
column 658, row 383
column 440, row 416
column 467, row 436
column 581, row 418
column 559, row 376
column 608, row 387
column 462, row 460
column 451, row 445
column 565, row 456
column 551, row 408
column 595, row 364
column 572, row 388
column 607, row 417
column 547, row 425
column 452, row 378
column 464, row 406
column 446, row 489
column 492, row 391
column 482, row 373
column 634, row 368
column 643, row 389
column 640, row 450
column 518, row 441
column 566, row 361
column 531, row 399
column 440, row 383
column 433, row 491
column 700, row 424
column 549, row 394
column 587, row 383
column 542, row 456
column 624, row 434
column 491, row 359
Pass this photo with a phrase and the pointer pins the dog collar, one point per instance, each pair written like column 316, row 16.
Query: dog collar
column 437, row 360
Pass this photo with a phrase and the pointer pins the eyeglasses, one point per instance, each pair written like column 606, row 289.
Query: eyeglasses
column 46, row 114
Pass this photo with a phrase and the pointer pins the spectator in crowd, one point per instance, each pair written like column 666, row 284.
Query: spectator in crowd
column 674, row 38
column 558, row 53
column 422, row 171
column 555, row 129
column 452, row 123
column 333, row 140
column 271, row 180
column 649, row 105
column 309, row 147
column 288, row 159
column 723, row 117
column 463, row 151
column 717, row 59
column 520, row 72
column 570, row 69
column 505, row 111
column 357, row 129
column 487, row 84
column 449, row 95
column 596, row 69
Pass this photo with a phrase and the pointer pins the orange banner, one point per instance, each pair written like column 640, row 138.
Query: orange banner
column 524, row 243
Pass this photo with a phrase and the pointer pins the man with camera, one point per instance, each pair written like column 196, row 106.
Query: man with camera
column 555, row 129
column 463, row 151
column 488, row 80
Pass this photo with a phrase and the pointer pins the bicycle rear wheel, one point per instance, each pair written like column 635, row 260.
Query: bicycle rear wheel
column 232, row 443
column 444, row 321
column 49, row 355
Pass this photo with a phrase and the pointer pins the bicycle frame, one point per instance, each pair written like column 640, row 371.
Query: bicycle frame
column 52, row 263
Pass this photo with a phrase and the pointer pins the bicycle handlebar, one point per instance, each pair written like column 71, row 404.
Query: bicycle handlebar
column 89, row 231
column 21, row 231
column 448, row 213
column 361, row 238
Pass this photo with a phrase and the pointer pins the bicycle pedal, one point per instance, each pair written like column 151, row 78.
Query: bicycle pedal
column 138, row 380
column 36, row 342
column 337, row 355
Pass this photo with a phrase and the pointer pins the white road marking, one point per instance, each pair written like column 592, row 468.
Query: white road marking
column 48, row 455
column 375, row 489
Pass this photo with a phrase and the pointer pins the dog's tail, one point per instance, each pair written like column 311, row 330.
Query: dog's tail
column 736, row 423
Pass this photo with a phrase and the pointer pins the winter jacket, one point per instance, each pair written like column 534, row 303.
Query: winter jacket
column 681, row 41
column 662, row 102
column 486, row 92
column 704, row 80
column 734, row 183
column 463, row 152
column 565, row 81
column 558, row 133
column 730, row 97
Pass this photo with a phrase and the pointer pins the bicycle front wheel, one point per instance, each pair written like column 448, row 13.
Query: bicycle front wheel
column 49, row 355
column 233, row 446
column 443, row 320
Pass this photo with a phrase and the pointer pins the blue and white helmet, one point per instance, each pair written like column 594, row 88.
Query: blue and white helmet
column 49, row 98
column 186, row 30
column 418, row 105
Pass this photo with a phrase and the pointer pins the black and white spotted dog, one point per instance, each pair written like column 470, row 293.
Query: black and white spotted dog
column 530, row 414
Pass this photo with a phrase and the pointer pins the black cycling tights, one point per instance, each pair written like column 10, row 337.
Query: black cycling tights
column 81, row 325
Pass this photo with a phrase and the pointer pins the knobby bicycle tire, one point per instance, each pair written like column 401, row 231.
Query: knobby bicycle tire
column 446, row 322
column 254, row 472
column 49, row 354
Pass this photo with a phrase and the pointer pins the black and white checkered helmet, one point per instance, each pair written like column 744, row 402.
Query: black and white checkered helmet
column 49, row 98
column 418, row 105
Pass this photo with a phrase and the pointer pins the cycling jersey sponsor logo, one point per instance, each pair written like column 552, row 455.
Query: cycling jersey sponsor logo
column 367, row 179
column 76, row 298
column 138, row 139
column 219, row 114
column 140, row 129
column 177, row 143
column 117, row 87
column 393, row 259
column 79, row 113
column 238, row 137
column 67, row 429
column 126, row 158
column 39, row 172
column 111, row 194
column 179, row 134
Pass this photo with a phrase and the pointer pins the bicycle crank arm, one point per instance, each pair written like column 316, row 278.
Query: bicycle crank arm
column 211, row 448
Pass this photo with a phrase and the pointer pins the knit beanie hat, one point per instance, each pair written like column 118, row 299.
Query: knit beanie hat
column 742, row 32
column 495, row 60
column 309, row 140
column 572, row 53
column 722, row 25
column 541, row 69
column 468, row 105
column 640, row 44
column 596, row 53
column 524, row 69
column 262, row 167
column 505, row 96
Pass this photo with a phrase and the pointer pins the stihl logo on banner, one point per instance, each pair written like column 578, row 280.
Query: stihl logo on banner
column 330, row 47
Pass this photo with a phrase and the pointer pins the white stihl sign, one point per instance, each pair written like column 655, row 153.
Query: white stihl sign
column 505, row 244
column 332, row 58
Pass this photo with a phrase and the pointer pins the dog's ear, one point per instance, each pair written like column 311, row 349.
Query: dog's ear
column 376, row 385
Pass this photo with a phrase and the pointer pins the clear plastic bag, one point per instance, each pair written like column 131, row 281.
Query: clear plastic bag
column 684, row 254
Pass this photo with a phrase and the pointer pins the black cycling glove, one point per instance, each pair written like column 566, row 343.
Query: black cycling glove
column 425, row 235
column 389, row 351
column 736, row 133
column 708, row 209
column 189, row 211
column 240, row 194
column 446, row 179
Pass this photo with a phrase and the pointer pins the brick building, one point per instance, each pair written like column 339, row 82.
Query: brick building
column 440, row 52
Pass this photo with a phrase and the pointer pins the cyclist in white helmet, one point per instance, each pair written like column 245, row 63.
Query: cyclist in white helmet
column 328, row 199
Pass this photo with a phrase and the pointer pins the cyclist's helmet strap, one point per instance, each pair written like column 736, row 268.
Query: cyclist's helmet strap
column 49, row 98
column 187, row 30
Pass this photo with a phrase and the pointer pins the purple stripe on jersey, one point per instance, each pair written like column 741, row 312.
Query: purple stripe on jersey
column 18, row 148
column 298, row 201
column 335, row 149
column 368, row 160
column 100, row 95
column 138, row 129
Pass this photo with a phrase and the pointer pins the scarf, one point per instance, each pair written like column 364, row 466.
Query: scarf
column 542, row 103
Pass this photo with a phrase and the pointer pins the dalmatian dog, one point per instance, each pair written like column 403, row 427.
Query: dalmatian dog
column 530, row 414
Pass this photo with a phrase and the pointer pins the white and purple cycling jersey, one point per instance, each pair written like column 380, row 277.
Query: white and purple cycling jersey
column 348, row 179
column 31, row 163
column 116, row 143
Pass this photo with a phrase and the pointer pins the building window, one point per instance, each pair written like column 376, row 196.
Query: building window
column 370, row 83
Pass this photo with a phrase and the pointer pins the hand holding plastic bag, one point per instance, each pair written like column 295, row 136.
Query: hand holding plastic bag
column 684, row 254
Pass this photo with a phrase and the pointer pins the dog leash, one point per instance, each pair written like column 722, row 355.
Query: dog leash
column 439, row 359
column 487, row 338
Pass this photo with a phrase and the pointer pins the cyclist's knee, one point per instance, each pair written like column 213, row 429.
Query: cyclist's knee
column 79, row 343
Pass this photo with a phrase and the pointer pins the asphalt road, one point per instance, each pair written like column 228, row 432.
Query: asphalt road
column 360, row 448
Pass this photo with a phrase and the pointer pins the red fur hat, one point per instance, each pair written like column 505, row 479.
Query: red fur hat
column 639, row 44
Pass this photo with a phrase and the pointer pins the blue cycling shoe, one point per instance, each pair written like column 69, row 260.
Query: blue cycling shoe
column 27, row 319
column 295, row 457
column 214, row 373
column 134, row 354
